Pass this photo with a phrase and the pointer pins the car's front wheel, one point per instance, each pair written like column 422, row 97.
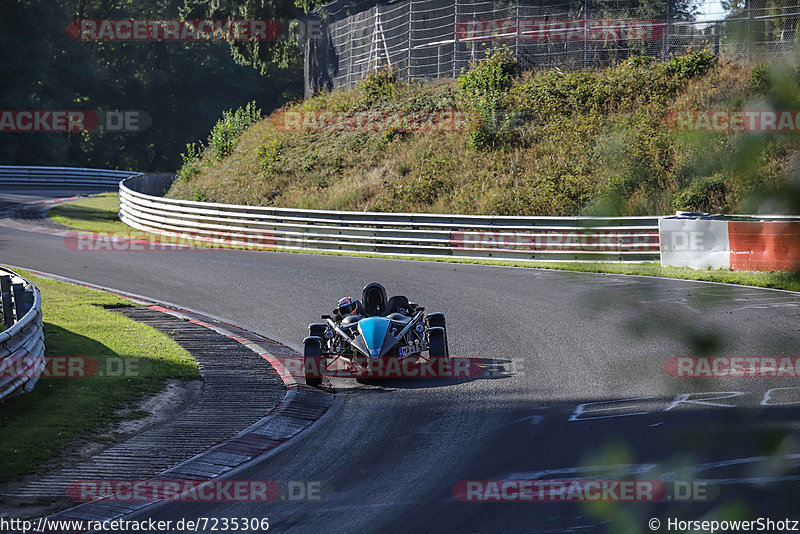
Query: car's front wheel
column 312, row 360
column 437, row 342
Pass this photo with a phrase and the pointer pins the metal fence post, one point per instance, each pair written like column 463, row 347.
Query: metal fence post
column 455, row 38
column 350, row 54
column 667, row 30
column 410, row 39
column 749, row 45
column 5, row 294
column 587, row 6
column 517, row 28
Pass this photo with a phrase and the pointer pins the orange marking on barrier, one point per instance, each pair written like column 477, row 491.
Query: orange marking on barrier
column 764, row 246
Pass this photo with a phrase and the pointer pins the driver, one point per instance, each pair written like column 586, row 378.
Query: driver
column 347, row 306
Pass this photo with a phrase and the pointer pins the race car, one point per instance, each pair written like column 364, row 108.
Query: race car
column 373, row 328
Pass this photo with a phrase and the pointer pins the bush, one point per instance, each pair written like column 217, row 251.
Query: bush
column 758, row 81
column 707, row 194
column 690, row 65
column 484, row 88
column 380, row 84
column 227, row 130
column 190, row 162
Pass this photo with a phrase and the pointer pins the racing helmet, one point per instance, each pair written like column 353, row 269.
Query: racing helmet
column 346, row 306
column 374, row 299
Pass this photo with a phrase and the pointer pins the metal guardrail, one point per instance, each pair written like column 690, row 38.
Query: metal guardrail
column 22, row 341
column 61, row 177
column 617, row 239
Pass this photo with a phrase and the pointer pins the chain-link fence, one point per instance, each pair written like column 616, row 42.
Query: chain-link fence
column 430, row 39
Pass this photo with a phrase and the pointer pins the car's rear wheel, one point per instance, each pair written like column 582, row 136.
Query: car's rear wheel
column 437, row 342
column 312, row 360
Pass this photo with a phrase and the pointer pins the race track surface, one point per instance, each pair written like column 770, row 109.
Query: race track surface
column 391, row 452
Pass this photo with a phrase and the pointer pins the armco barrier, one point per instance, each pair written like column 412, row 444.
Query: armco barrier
column 22, row 342
column 61, row 177
column 738, row 242
column 629, row 239
column 694, row 240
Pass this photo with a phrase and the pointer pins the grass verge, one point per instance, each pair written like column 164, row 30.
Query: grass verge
column 46, row 422
column 96, row 214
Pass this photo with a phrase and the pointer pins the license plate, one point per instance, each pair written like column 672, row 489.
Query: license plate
column 408, row 351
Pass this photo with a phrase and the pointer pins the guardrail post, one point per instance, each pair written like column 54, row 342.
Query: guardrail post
column 28, row 298
column 5, row 295
column 19, row 300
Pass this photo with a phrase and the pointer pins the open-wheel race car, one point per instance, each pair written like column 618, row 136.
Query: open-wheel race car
column 358, row 333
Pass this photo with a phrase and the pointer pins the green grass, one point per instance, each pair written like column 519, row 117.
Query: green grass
column 105, row 210
column 46, row 422
column 96, row 213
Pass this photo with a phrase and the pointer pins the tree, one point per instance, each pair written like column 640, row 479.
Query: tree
column 283, row 52
column 183, row 86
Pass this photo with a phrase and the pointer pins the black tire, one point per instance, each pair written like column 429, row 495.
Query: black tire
column 437, row 342
column 435, row 319
column 312, row 361
column 317, row 330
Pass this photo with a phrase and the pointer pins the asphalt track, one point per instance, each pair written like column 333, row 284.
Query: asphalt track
column 392, row 452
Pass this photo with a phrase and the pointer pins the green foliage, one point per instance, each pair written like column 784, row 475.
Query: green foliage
column 198, row 195
column 269, row 157
column 758, row 80
column 690, row 65
column 635, row 83
column 707, row 194
column 392, row 133
column 379, row 85
column 263, row 55
column 227, row 130
column 639, row 61
column 190, row 162
column 432, row 179
column 484, row 88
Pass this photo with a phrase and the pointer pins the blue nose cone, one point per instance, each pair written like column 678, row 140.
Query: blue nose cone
column 373, row 330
